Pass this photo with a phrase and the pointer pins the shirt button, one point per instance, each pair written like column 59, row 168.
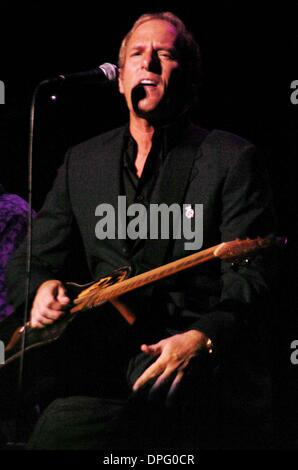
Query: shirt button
column 125, row 251
column 140, row 198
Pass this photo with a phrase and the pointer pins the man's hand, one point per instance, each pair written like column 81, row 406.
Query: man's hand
column 48, row 303
column 174, row 354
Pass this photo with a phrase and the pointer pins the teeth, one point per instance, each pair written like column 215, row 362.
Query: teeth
column 147, row 82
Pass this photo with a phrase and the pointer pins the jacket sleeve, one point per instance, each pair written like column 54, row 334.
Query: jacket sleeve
column 246, row 211
column 50, row 242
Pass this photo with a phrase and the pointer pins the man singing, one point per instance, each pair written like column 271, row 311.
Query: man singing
column 191, row 371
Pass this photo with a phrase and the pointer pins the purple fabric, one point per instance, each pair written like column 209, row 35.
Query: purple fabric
column 13, row 227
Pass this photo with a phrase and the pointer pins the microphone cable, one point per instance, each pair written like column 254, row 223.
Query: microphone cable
column 28, row 258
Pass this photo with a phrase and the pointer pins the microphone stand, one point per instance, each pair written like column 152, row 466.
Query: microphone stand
column 109, row 71
column 19, row 415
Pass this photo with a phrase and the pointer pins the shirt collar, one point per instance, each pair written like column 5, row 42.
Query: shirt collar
column 164, row 139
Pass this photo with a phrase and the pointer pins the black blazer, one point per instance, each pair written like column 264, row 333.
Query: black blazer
column 226, row 176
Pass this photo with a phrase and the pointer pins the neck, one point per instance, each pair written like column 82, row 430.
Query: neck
column 142, row 132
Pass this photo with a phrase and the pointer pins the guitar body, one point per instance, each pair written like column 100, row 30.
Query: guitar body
column 11, row 332
column 44, row 347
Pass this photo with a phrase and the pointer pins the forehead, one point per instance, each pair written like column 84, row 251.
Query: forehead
column 154, row 31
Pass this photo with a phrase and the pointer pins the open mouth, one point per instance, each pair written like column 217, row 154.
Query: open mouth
column 147, row 82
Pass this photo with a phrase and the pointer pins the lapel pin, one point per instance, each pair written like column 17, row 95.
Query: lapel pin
column 189, row 212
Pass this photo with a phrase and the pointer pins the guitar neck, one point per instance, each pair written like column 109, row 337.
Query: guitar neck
column 154, row 275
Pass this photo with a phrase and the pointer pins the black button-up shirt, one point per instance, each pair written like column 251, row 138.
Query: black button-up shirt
column 139, row 189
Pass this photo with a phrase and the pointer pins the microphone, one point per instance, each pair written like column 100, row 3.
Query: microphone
column 101, row 74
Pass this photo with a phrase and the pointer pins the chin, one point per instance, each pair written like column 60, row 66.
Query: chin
column 152, row 110
column 147, row 107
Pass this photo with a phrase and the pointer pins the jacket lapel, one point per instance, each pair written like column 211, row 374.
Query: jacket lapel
column 171, row 188
column 107, row 173
column 109, row 163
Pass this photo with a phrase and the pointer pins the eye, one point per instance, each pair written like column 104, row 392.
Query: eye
column 165, row 55
column 135, row 53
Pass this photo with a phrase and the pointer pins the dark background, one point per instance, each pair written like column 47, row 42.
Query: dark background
column 249, row 61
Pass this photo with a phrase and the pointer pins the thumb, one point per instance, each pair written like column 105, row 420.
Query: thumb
column 62, row 297
column 152, row 349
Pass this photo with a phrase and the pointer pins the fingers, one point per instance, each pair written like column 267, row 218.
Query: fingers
column 163, row 379
column 174, row 354
column 173, row 388
column 62, row 297
column 170, row 374
column 153, row 349
column 153, row 371
column 159, row 370
column 166, row 378
column 48, row 304
column 44, row 316
column 54, row 297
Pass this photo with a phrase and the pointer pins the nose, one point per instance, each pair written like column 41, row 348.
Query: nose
column 151, row 61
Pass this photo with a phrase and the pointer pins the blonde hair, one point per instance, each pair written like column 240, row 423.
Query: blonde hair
column 188, row 49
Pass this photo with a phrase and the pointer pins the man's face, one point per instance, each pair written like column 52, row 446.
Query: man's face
column 150, row 70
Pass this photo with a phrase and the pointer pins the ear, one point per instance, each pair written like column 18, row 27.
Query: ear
column 120, row 85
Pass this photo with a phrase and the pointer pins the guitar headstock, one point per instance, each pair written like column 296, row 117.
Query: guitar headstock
column 231, row 251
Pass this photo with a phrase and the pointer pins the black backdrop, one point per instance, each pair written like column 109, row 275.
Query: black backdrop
column 249, row 61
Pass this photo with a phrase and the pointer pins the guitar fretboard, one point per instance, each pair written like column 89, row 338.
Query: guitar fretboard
column 141, row 280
